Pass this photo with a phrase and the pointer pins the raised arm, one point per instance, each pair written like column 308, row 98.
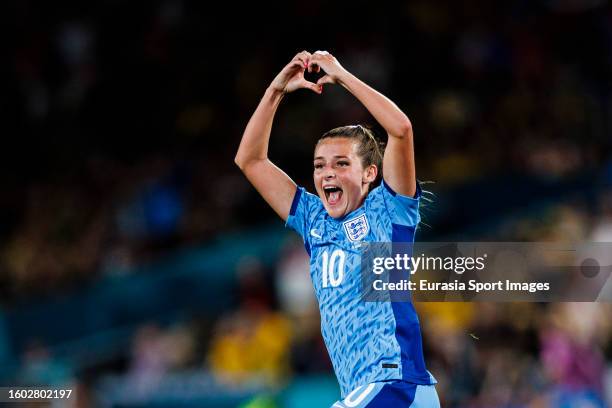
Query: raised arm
column 398, row 162
column 274, row 185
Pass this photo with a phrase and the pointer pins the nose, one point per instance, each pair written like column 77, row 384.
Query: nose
column 329, row 173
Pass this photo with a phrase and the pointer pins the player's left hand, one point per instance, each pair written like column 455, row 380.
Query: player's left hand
column 323, row 60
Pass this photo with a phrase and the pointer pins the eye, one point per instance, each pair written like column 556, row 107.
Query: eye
column 318, row 166
column 343, row 163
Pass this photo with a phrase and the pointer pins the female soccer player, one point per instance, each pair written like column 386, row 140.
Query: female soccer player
column 375, row 347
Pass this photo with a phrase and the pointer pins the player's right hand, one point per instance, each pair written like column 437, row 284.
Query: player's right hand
column 292, row 76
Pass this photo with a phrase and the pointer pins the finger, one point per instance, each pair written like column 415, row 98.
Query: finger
column 312, row 86
column 325, row 79
column 321, row 53
column 301, row 60
column 295, row 64
column 313, row 66
column 318, row 59
column 293, row 67
column 303, row 56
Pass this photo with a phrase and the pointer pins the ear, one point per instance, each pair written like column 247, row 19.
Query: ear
column 369, row 174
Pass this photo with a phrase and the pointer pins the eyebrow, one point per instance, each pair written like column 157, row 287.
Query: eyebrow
column 335, row 157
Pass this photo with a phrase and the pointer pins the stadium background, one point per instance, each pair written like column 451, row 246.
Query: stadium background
column 138, row 267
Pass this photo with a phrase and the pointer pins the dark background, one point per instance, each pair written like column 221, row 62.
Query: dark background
column 132, row 249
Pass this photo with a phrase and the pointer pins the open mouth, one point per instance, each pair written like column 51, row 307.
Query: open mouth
column 333, row 194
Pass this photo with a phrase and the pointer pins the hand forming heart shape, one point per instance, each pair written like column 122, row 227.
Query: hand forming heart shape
column 292, row 75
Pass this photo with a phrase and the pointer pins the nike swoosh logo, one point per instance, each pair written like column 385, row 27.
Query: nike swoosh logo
column 314, row 233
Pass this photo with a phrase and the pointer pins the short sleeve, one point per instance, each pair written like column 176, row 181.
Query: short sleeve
column 303, row 207
column 404, row 210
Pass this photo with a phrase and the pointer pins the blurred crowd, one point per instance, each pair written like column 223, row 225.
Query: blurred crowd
column 482, row 354
column 122, row 121
column 126, row 117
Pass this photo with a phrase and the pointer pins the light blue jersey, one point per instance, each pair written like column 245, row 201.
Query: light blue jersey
column 367, row 341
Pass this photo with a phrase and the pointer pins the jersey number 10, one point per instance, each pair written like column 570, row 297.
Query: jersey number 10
column 331, row 265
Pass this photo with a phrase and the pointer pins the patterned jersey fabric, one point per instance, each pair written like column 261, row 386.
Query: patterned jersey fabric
column 367, row 341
